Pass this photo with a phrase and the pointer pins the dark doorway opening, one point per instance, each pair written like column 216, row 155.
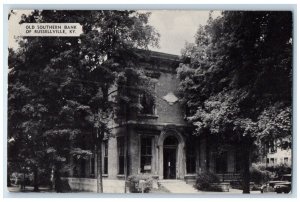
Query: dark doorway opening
column 170, row 150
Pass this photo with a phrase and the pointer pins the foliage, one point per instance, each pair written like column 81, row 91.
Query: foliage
column 216, row 84
column 59, row 88
column 275, row 123
column 204, row 181
column 236, row 83
column 134, row 183
column 259, row 174
column 279, row 170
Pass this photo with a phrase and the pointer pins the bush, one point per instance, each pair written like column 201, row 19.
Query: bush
column 64, row 186
column 280, row 170
column 259, row 174
column 134, row 180
column 45, row 179
column 204, row 181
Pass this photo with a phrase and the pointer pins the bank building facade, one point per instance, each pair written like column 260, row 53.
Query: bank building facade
column 158, row 141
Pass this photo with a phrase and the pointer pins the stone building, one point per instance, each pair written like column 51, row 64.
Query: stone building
column 159, row 141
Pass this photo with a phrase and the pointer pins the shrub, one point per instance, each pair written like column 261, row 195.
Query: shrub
column 280, row 170
column 134, row 180
column 64, row 186
column 204, row 181
column 45, row 178
column 259, row 174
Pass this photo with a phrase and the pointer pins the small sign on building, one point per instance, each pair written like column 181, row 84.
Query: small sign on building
column 147, row 167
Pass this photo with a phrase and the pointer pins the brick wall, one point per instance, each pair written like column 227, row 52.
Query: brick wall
column 167, row 113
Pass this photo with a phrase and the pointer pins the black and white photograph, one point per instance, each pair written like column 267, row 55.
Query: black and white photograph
column 150, row 102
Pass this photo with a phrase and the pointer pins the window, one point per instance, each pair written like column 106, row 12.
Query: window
column 82, row 167
column 146, row 154
column 268, row 160
column 190, row 158
column 148, row 104
column 272, row 147
column 121, row 154
column 75, row 167
column 92, row 168
column 105, row 157
column 286, row 160
column 187, row 112
column 221, row 163
column 272, row 161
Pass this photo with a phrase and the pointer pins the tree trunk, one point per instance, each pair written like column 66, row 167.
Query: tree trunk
column 23, row 182
column 35, row 180
column 126, row 157
column 99, row 162
column 58, row 182
column 126, row 143
column 246, row 169
column 207, row 156
column 8, row 180
column 99, row 139
column 51, row 183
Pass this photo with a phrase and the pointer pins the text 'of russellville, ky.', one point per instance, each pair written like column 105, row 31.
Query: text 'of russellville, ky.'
column 51, row 29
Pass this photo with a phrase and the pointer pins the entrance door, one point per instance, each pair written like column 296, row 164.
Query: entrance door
column 169, row 163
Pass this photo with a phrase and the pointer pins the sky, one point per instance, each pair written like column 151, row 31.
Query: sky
column 177, row 27
column 174, row 26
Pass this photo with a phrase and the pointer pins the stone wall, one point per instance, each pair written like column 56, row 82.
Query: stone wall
column 82, row 184
column 90, row 185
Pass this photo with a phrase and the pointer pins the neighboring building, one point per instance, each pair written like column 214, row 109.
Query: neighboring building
column 159, row 139
column 281, row 156
column 277, row 155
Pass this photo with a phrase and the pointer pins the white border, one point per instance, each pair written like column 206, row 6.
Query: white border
column 119, row 3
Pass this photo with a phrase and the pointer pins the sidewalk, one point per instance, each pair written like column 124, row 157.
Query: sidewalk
column 17, row 188
column 168, row 187
column 180, row 187
column 109, row 186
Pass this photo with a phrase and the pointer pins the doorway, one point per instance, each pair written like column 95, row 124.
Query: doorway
column 170, row 157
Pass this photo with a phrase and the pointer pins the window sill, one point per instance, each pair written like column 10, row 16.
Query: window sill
column 190, row 174
column 190, row 177
column 103, row 175
column 148, row 116
column 121, row 176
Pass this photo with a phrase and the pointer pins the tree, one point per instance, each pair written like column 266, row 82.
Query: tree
column 109, row 53
column 70, row 79
column 236, row 81
column 26, row 123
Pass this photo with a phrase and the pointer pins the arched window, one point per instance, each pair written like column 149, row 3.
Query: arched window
column 171, row 141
